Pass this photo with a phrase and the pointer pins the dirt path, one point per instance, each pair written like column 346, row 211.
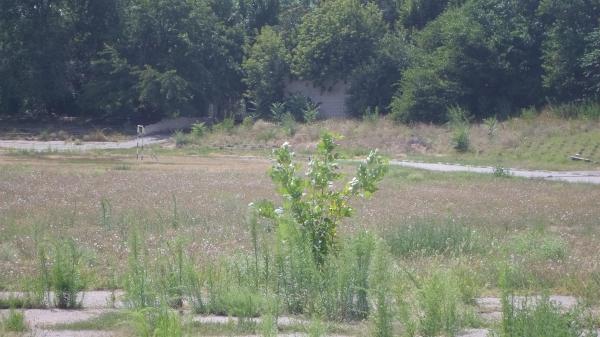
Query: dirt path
column 589, row 177
column 34, row 145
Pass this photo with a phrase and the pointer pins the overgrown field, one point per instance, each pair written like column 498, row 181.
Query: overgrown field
column 412, row 260
column 534, row 141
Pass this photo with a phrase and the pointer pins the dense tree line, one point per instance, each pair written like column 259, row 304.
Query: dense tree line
column 147, row 59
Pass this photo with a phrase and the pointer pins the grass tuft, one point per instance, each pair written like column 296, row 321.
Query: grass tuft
column 429, row 238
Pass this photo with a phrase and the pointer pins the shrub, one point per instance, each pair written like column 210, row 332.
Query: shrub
column 313, row 203
column 226, row 125
column 278, row 111
column 501, row 172
column 181, row 139
column 297, row 104
column 460, row 139
column 310, row 112
column 458, row 120
column 288, row 123
column 266, row 68
column 199, row 130
column 491, row 126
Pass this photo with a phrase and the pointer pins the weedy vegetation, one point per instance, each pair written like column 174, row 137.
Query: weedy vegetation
column 336, row 246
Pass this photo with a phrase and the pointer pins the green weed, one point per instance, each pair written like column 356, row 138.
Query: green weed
column 380, row 286
column 434, row 238
column 161, row 322
column 14, row 321
column 138, row 283
column 439, row 301
column 64, row 276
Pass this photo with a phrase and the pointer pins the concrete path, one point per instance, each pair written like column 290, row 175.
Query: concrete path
column 590, row 177
column 41, row 146
column 96, row 303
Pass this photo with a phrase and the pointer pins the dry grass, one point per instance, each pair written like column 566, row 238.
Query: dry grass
column 58, row 196
column 542, row 142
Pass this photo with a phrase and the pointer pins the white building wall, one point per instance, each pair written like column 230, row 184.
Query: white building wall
column 331, row 100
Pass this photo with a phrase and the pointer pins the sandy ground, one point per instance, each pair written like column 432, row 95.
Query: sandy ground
column 62, row 146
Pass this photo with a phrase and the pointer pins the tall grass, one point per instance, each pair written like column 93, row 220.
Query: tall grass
column 439, row 300
column 430, row 238
column 434, row 304
column 533, row 317
column 381, row 280
column 106, row 213
column 157, row 322
column 65, row 274
column 138, row 283
column 14, row 322
column 587, row 110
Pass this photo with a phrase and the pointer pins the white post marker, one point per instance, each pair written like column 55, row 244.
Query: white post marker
column 140, row 142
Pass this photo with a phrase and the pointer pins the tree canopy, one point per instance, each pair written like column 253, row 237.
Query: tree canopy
column 144, row 60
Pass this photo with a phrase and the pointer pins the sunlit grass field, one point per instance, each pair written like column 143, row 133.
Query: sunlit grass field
column 473, row 231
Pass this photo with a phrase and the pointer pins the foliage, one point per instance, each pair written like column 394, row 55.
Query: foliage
column 568, row 26
column 458, row 119
column 226, row 125
column 491, row 125
column 138, row 61
column 313, row 203
column 335, row 38
column 417, row 13
column 373, row 83
column 199, row 129
column 278, row 111
column 460, row 138
column 501, row 172
column 265, row 70
column 590, row 63
column 311, row 113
